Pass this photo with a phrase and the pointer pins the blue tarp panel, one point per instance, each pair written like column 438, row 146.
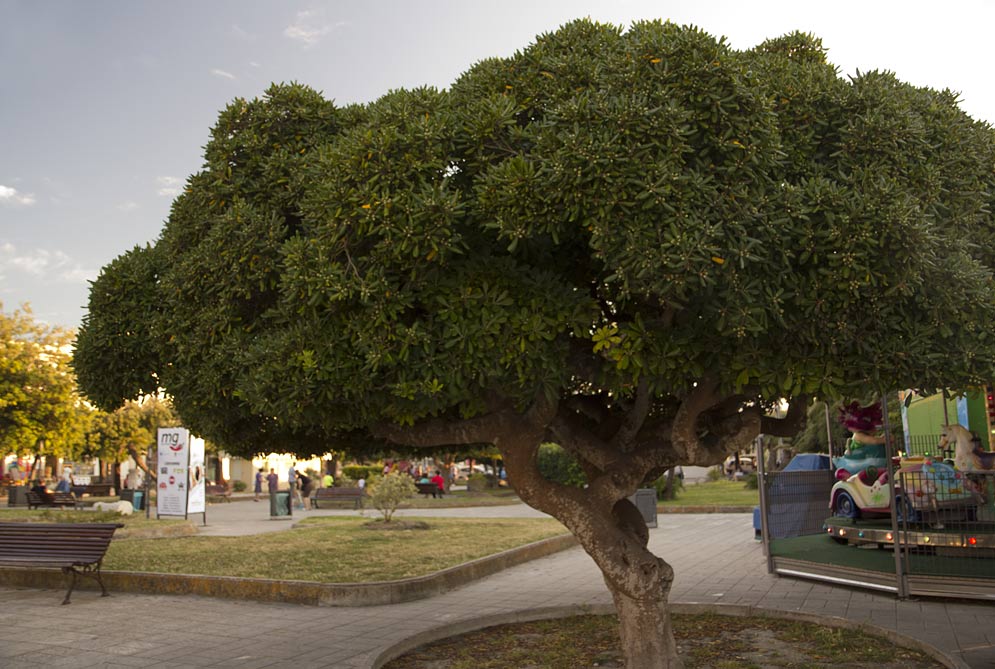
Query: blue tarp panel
column 798, row 497
column 808, row 462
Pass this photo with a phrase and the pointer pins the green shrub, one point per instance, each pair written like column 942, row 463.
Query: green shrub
column 557, row 465
column 715, row 473
column 751, row 481
column 661, row 487
column 239, row 486
column 389, row 491
column 355, row 472
column 477, row 482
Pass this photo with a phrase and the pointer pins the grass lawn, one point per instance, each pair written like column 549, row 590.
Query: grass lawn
column 135, row 521
column 716, row 642
column 715, row 493
column 463, row 498
column 333, row 549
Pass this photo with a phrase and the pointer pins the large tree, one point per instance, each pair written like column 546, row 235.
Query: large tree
column 129, row 431
column 40, row 412
column 629, row 242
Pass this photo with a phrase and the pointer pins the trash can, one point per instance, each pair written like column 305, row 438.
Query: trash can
column 17, row 495
column 645, row 501
column 136, row 497
column 280, row 504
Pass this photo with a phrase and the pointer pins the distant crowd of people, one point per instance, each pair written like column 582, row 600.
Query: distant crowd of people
column 299, row 483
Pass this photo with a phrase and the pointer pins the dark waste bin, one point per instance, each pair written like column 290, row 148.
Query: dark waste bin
column 645, row 501
column 136, row 497
column 17, row 495
column 279, row 504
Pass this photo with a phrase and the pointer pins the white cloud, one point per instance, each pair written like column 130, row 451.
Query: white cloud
column 253, row 63
column 310, row 27
column 50, row 266
column 10, row 195
column 169, row 186
column 128, row 206
column 242, row 33
column 221, row 73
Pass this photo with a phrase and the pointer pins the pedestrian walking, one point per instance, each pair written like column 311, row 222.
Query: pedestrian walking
column 295, row 494
column 305, row 490
column 258, row 489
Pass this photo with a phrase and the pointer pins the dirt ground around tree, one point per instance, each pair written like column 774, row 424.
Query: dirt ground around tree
column 704, row 642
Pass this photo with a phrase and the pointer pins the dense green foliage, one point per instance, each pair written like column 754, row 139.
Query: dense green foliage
column 40, row 412
column 356, row 472
column 558, row 465
column 131, row 429
column 387, row 492
column 603, row 208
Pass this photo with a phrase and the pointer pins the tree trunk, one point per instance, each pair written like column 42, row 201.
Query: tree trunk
column 616, row 538
column 646, row 633
column 140, row 462
column 639, row 582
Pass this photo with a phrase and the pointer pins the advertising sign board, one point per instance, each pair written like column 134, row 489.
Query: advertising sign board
column 172, row 465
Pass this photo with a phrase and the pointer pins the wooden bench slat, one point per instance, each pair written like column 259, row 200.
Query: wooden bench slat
column 60, row 545
column 325, row 494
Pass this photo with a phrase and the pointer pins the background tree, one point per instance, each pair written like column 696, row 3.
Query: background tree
column 40, row 412
column 128, row 432
column 629, row 243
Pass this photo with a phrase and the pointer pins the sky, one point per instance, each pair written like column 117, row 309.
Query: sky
column 105, row 106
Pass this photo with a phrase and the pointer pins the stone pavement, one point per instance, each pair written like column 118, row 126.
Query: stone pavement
column 714, row 556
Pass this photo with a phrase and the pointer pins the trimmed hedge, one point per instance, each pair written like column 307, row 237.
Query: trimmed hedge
column 556, row 464
column 356, row 472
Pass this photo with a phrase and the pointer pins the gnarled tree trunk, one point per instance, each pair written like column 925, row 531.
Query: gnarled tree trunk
column 616, row 538
column 618, row 451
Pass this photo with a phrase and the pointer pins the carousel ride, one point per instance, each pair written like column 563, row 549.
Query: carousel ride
column 946, row 505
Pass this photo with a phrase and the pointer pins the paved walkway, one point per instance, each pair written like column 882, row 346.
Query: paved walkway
column 715, row 557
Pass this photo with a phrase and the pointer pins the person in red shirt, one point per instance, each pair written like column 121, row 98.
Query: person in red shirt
column 439, row 481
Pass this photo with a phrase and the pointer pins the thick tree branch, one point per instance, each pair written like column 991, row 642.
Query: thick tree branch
column 684, row 432
column 586, row 405
column 634, row 417
column 570, row 432
column 790, row 425
column 435, row 432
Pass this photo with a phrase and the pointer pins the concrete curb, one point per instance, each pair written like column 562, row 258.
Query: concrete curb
column 712, row 508
column 690, row 608
column 296, row 592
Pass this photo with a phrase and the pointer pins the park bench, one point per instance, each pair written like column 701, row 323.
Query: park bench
column 429, row 489
column 75, row 548
column 53, row 499
column 331, row 494
column 218, row 490
column 92, row 489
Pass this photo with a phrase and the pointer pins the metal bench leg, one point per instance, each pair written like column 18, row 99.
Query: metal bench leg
column 71, row 573
column 103, row 589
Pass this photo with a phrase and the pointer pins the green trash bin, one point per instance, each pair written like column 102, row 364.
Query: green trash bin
column 136, row 497
column 280, row 504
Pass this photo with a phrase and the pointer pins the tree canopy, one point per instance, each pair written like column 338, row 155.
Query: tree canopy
column 40, row 412
column 629, row 242
column 129, row 431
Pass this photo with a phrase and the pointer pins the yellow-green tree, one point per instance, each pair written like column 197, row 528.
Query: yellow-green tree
column 129, row 431
column 40, row 411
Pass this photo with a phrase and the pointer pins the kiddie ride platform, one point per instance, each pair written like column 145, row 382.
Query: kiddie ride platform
column 967, row 539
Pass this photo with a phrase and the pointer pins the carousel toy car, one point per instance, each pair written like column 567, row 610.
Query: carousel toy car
column 923, row 486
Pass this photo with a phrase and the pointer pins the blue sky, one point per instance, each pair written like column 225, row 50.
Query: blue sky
column 105, row 105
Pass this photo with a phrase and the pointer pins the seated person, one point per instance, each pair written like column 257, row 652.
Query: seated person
column 440, row 482
column 62, row 485
column 42, row 490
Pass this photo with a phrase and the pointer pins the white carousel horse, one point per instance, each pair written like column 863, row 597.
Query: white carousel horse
column 968, row 456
